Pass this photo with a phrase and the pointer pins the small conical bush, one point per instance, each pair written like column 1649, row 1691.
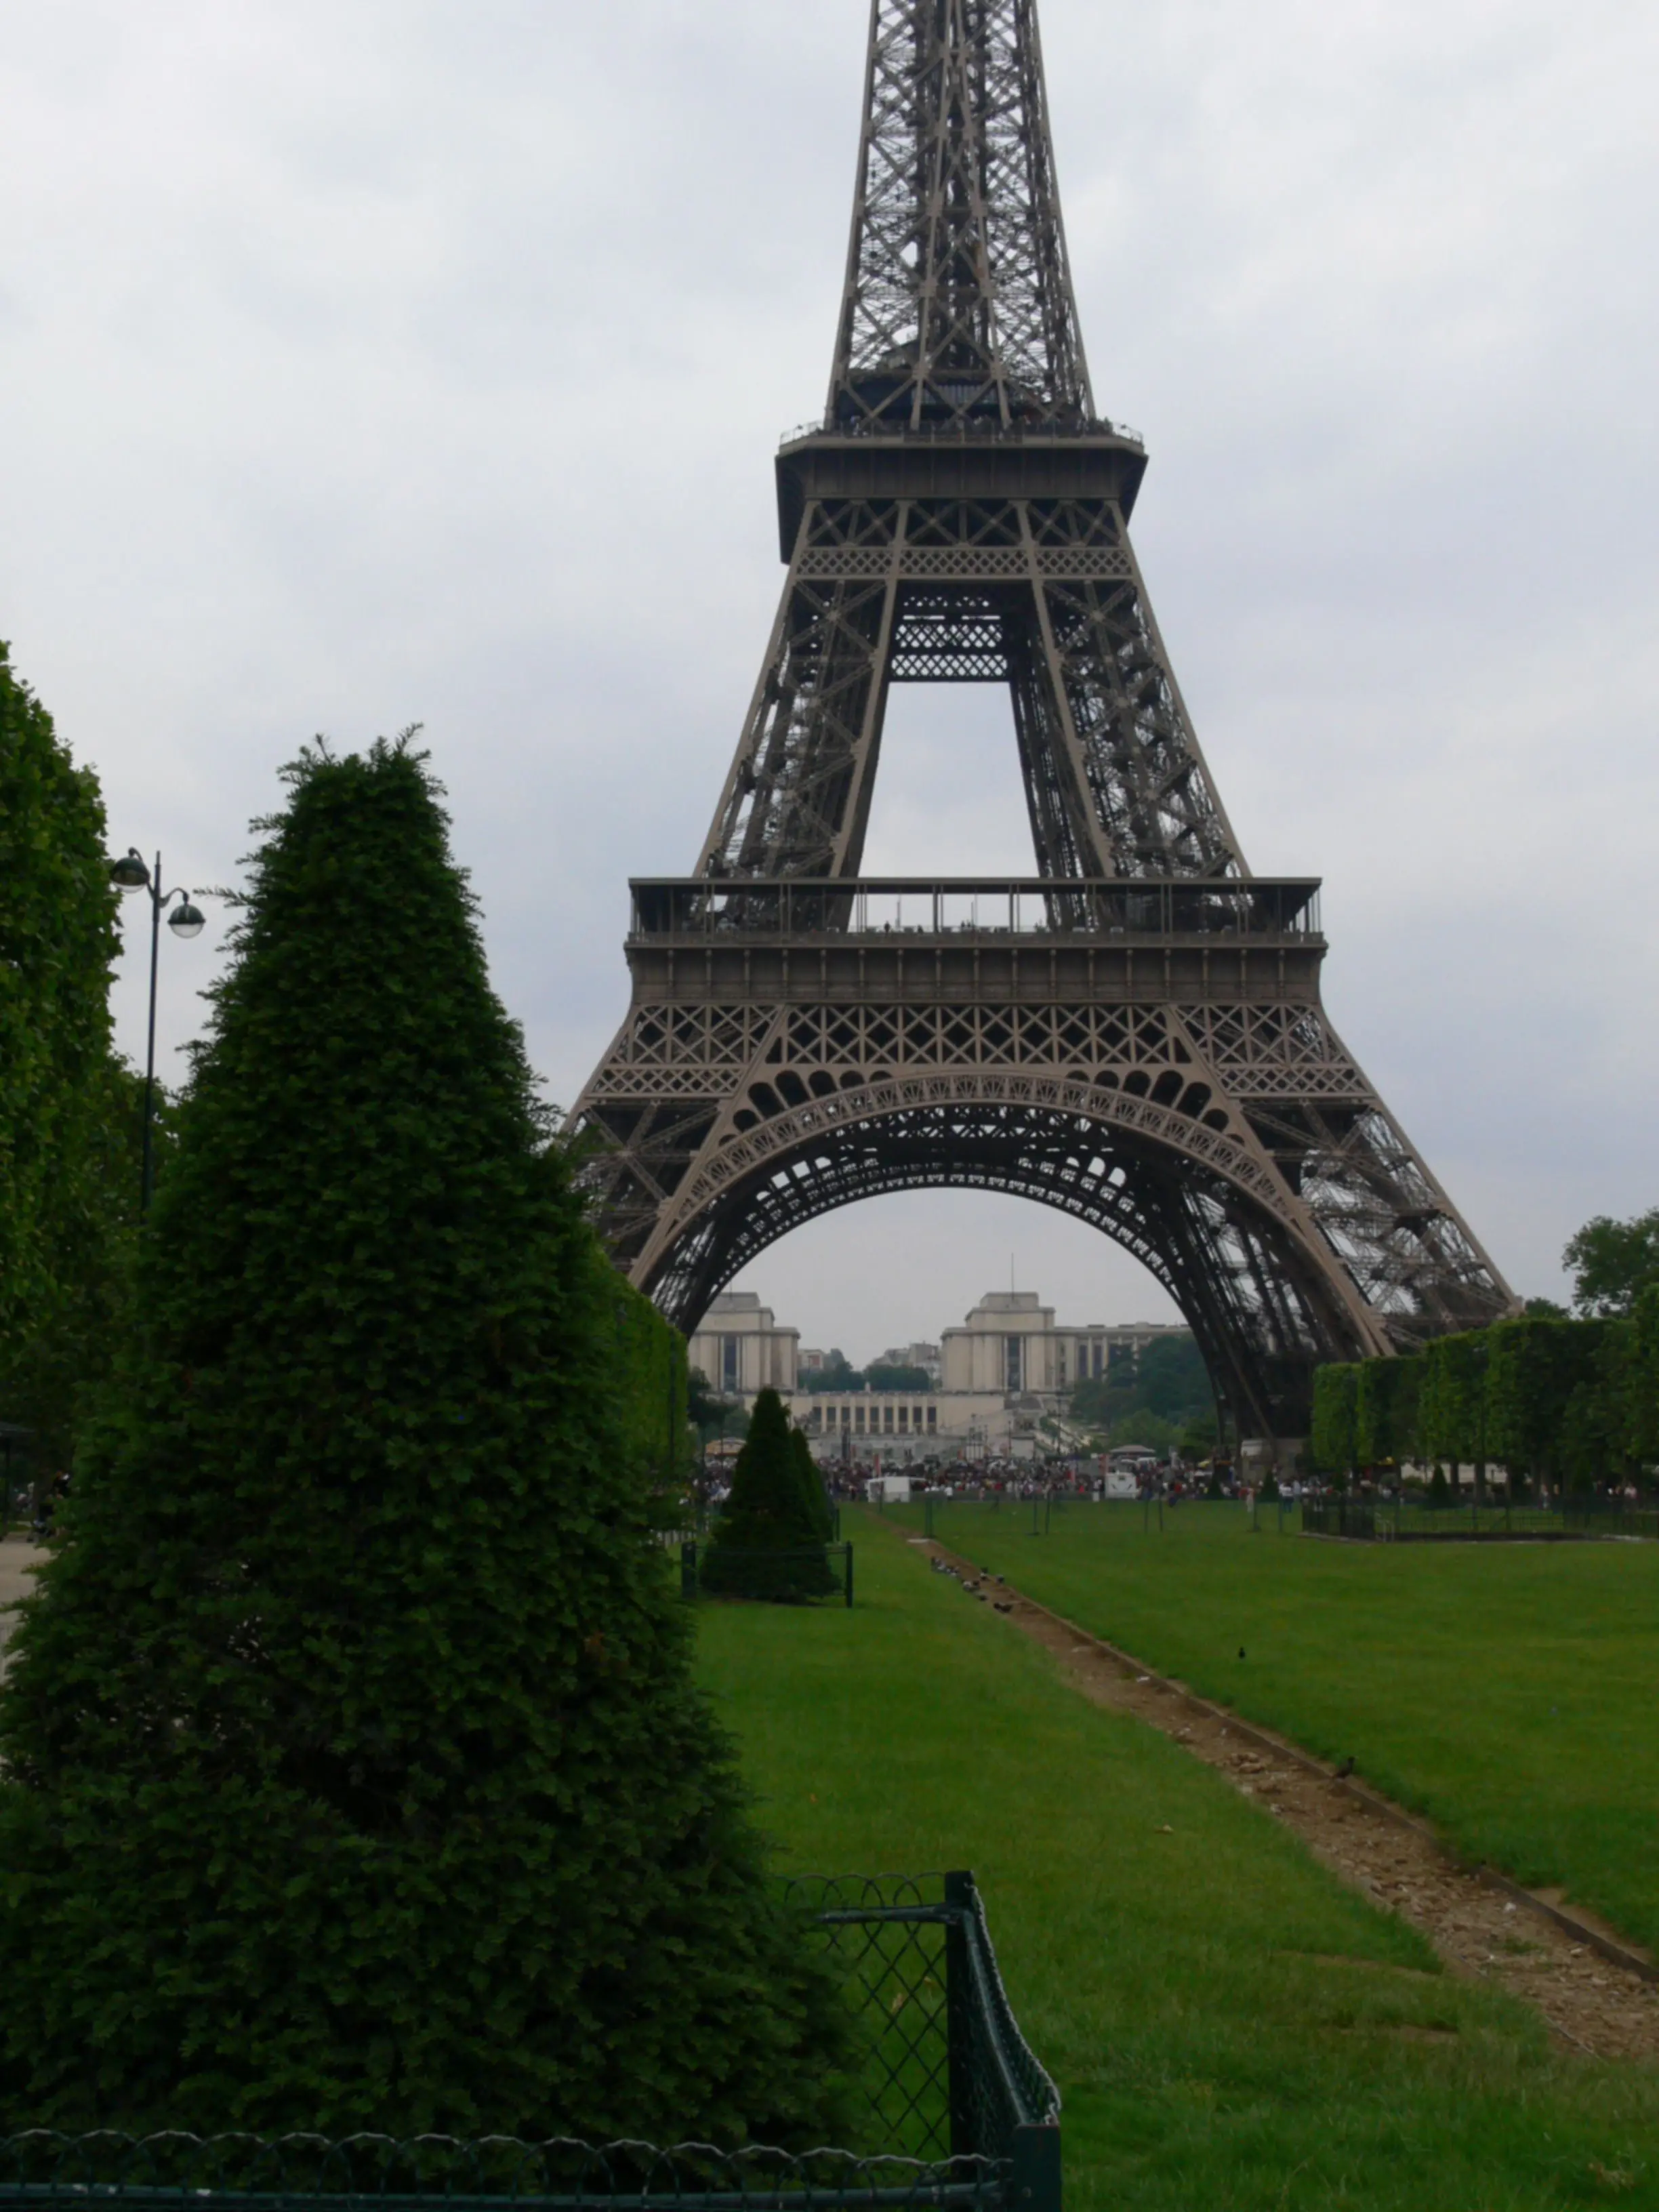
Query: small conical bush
column 768, row 1540
column 357, row 1778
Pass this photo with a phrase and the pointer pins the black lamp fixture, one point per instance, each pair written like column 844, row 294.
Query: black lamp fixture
column 184, row 919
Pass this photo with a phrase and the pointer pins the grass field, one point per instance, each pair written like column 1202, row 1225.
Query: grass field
column 1510, row 1692
column 1232, row 2030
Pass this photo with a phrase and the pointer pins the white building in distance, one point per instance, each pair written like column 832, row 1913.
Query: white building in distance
column 742, row 1350
column 1010, row 1343
column 996, row 1378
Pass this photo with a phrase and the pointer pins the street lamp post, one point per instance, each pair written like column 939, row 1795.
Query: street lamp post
column 186, row 920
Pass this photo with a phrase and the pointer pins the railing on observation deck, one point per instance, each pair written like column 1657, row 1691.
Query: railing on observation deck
column 983, row 431
column 702, row 908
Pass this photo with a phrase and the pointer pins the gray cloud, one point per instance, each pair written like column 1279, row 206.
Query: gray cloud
column 368, row 363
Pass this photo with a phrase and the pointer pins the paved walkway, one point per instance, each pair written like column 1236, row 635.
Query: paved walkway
column 18, row 1558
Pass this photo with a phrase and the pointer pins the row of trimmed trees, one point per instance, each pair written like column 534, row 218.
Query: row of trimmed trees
column 1568, row 1402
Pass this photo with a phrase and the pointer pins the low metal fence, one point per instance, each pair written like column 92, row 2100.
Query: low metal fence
column 1035, row 1515
column 799, row 1574
column 1393, row 1520
column 958, row 2113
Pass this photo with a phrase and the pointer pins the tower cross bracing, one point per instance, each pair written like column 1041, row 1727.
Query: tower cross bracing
column 1135, row 1034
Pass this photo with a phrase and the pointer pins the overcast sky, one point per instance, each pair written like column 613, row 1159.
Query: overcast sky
column 391, row 360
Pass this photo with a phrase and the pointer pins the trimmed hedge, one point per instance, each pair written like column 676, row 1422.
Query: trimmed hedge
column 1551, row 1399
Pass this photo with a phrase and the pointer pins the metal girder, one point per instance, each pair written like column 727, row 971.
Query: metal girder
column 1042, row 594
column 957, row 306
column 1148, row 1053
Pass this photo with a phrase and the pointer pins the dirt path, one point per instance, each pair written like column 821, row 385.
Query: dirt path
column 1597, row 1992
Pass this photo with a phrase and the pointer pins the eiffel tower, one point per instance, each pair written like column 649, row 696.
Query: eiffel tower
column 1134, row 1035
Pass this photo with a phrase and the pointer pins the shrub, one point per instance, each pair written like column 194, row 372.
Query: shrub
column 768, row 1540
column 69, row 1119
column 1331, row 1439
column 1385, row 1410
column 357, row 1778
column 1533, row 1368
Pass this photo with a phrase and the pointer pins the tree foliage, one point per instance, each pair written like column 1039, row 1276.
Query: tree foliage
column 1535, row 1367
column 837, row 1373
column 1168, row 1381
column 880, row 1376
column 357, row 1777
column 653, row 1392
column 768, row 1540
column 1385, row 1410
column 68, row 1110
column 1331, row 1439
column 812, row 1485
column 1612, row 1262
column 1451, row 1418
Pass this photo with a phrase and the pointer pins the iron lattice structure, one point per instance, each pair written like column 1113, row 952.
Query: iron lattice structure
column 1134, row 1036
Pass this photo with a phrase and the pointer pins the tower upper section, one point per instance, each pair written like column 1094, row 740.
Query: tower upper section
column 957, row 312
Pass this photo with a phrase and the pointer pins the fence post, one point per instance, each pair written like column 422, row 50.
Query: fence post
column 1035, row 2182
column 959, row 2017
column 688, row 1570
column 850, row 1577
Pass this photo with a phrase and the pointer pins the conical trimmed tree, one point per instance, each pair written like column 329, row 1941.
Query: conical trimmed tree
column 768, row 1540
column 356, row 1777
column 811, row 1484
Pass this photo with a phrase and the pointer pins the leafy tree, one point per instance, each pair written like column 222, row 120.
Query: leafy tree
column 1545, row 1309
column 1642, row 1380
column 767, row 1542
column 1172, row 1379
column 1534, row 1368
column 837, row 1373
column 653, row 1401
column 1142, row 1427
column 357, row 1776
column 1612, row 1262
column 1197, row 1435
column 1452, row 1407
column 1332, row 1440
column 709, row 1413
column 916, row 1379
column 66, row 1208
column 1385, row 1410
column 52, row 1367
column 1169, row 1380
column 1594, row 1442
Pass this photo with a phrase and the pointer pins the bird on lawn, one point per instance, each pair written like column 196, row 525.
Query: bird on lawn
column 1345, row 1769
column 1241, row 1650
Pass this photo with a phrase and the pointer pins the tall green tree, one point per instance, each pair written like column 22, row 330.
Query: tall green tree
column 1332, row 1440
column 1452, row 1407
column 1642, row 1381
column 66, row 1207
column 1612, row 1262
column 1385, row 1410
column 355, row 1776
column 1533, row 1368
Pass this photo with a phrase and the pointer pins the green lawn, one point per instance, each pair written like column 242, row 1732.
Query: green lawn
column 1230, row 2028
column 1510, row 1692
